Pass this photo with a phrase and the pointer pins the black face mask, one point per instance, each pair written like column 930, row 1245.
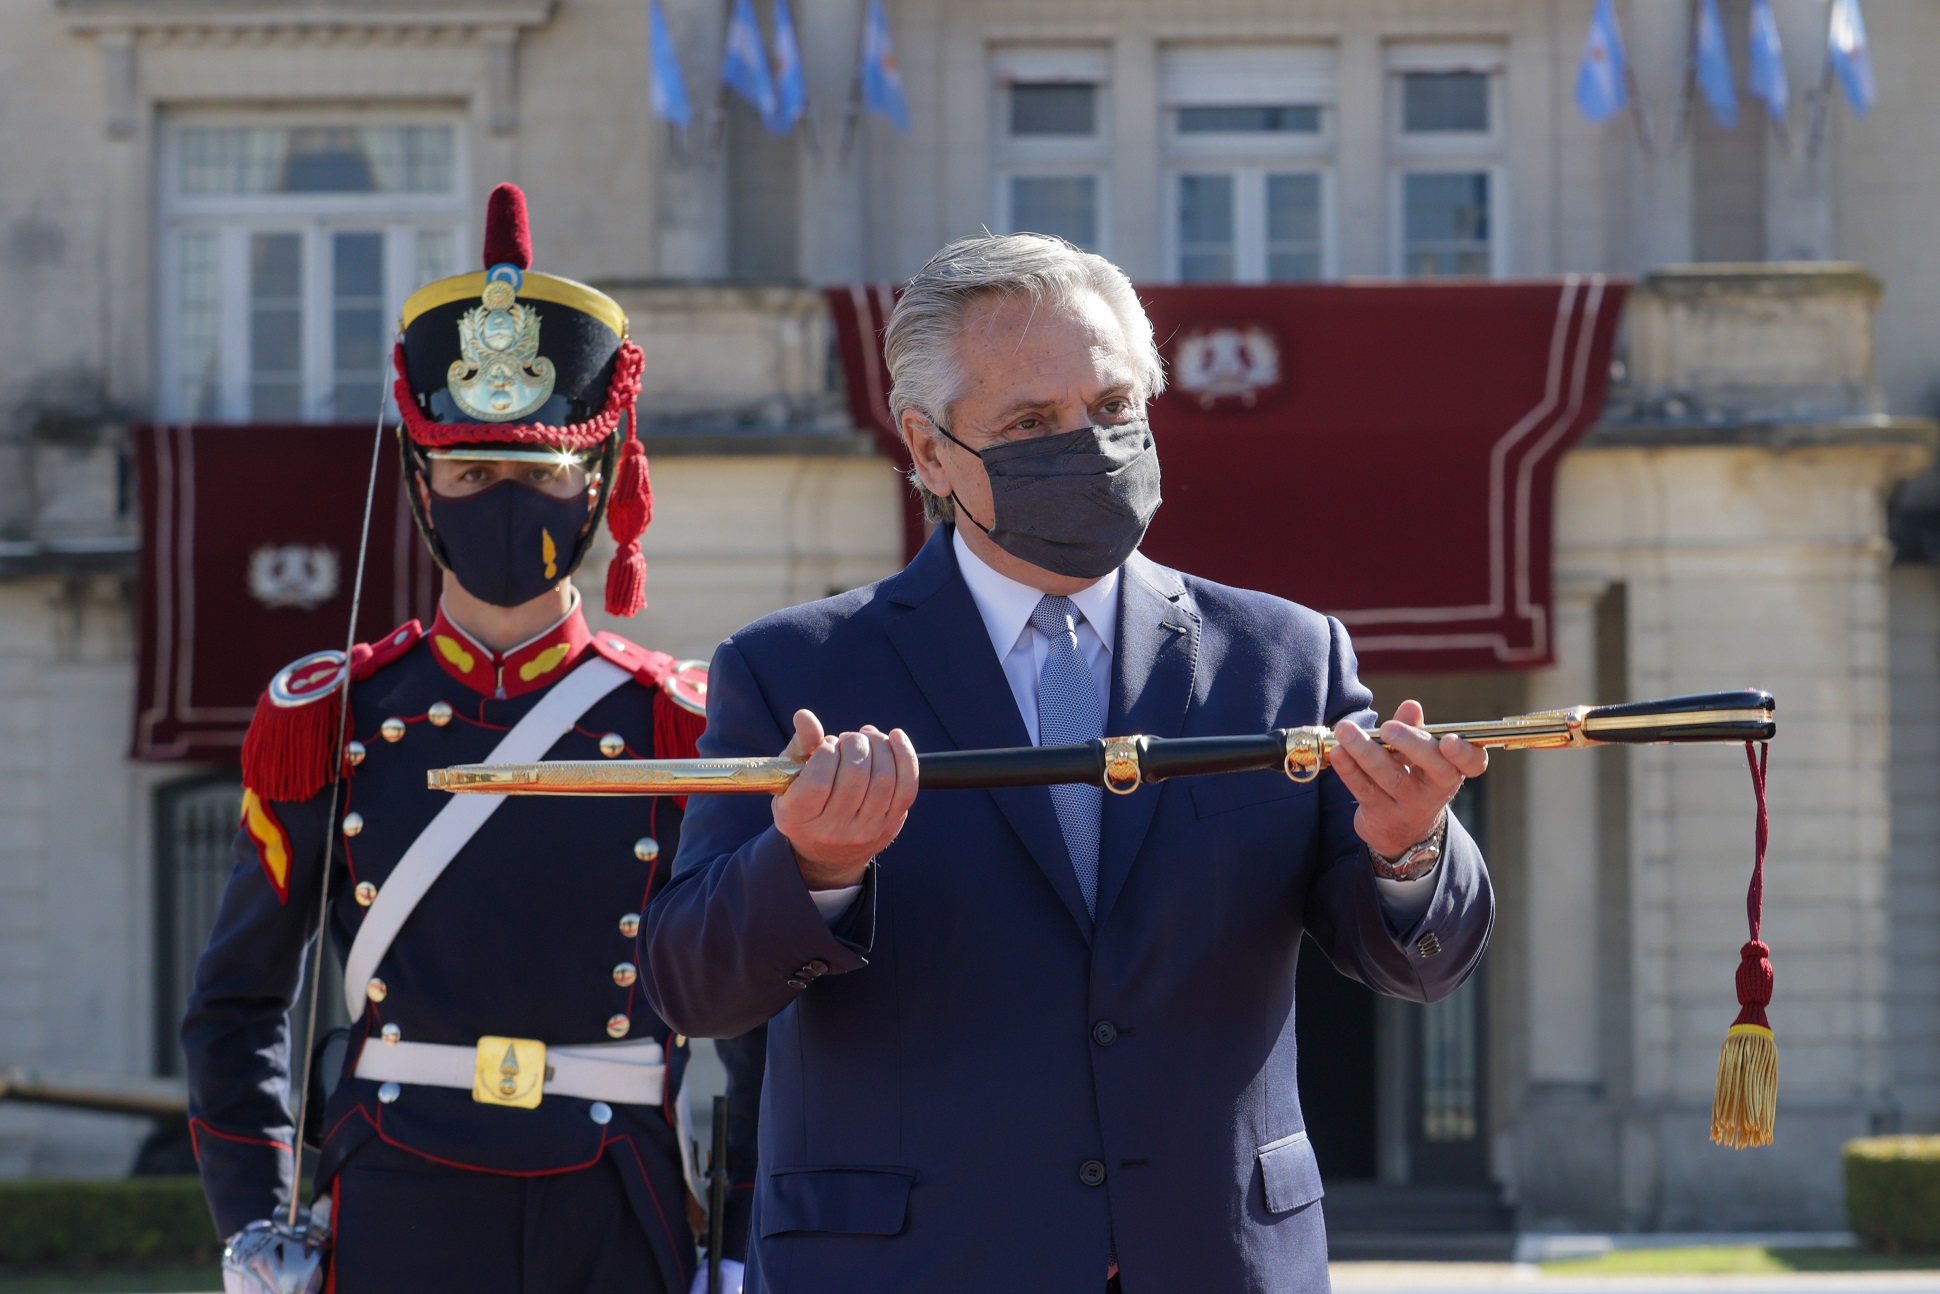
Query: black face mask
column 509, row 543
column 1076, row 503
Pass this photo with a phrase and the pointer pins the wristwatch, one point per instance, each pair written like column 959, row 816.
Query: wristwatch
column 1417, row 860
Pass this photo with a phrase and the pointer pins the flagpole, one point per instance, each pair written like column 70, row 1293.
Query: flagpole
column 1821, row 98
column 1682, row 130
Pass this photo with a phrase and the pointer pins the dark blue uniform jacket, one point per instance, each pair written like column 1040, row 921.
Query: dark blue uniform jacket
column 530, row 932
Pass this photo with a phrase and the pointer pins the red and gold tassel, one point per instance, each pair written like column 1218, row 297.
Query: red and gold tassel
column 1744, row 1110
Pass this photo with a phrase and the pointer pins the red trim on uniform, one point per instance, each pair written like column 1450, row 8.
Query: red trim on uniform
column 652, row 1194
column 195, row 1142
column 336, row 1227
column 534, row 664
column 337, row 1127
column 388, row 1140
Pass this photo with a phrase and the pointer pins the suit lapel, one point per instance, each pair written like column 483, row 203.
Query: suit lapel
column 942, row 640
column 1151, row 688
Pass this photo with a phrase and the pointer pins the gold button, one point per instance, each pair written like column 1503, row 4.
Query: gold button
column 439, row 713
column 630, row 925
column 390, row 1033
column 375, row 990
column 625, row 973
column 354, row 753
column 366, row 893
column 392, row 729
column 646, row 849
column 612, row 744
column 353, row 823
column 617, row 1026
column 680, row 1040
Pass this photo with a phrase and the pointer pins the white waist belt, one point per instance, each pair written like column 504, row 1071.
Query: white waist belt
column 627, row 1073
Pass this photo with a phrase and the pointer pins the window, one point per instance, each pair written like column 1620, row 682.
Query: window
column 1448, row 156
column 1052, row 149
column 1249, row 143
column 286, row 252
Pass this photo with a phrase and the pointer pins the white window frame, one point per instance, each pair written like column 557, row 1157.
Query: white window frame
column 1484, row 151
column 1051, row 156
column 1249, row 214
column 314, row 216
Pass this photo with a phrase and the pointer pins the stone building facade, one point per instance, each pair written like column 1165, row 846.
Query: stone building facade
column 1727, row 524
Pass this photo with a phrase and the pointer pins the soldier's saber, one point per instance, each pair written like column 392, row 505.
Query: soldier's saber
column 1123, row 764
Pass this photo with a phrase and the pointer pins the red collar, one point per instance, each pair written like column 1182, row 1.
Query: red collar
column 533, row 664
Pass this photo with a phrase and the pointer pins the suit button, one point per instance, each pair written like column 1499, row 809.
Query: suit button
column 796, row 981
column 1092, row 1172
column 1104, row 1033
column 817, row 967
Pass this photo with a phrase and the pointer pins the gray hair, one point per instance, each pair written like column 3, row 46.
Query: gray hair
column 920, row 344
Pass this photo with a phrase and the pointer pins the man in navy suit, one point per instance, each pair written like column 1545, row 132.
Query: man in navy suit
column 1033, row 1039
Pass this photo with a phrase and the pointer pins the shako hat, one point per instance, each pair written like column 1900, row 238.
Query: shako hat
column 509, row 363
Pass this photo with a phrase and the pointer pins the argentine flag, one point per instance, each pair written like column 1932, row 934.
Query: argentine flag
column 1714, row 66
column 669, row 91
column 1765, row 73
column 744, row 65
column 1850, row 56
column 882, row 80
column 791, row 90
column 1601, row 91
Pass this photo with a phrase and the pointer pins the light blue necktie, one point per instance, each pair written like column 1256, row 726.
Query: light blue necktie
column 1068, row 711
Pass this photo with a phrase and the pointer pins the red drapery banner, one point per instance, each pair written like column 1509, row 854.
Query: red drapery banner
column 249, row 549
column 1383, row 452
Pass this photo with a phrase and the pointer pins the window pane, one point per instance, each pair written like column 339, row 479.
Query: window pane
column 1449, row 1088
column 1446, row 223
column 241, row 160
column 197, row 323
column 1252, row 119
column 1435, row 102
column 1060, row 109
column 1205, row 228
column 1292, row 228
column 276, row 326
column 357, row 324
column 437, row 252
column 1065, row 205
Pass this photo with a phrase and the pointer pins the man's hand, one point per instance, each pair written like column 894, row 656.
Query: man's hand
column 1403, row 788
column 849, row 803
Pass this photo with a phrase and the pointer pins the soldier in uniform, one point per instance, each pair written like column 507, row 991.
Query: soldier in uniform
column 502, row 1116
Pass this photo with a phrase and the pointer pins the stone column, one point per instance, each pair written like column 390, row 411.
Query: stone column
column 831, row 192
column 691, row 179
column 1138, row 193
column 1798, row 179
column 1661, row 188
column 1567, row 1141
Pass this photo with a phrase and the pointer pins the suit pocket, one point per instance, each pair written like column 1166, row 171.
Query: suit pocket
column 845, row 1201
column 1224, row 792
column 1290, row 1173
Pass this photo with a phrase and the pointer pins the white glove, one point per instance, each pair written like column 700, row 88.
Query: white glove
column 730, row 1277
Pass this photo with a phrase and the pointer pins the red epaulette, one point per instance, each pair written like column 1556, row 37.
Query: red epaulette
column 287, row 754
column 680, row 692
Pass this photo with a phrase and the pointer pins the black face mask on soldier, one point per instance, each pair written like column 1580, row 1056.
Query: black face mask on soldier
column 509, row 543
column 1077, row 502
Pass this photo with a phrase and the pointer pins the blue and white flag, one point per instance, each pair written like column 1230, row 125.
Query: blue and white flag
column 1765, row 59
column 882, row 80
column 1601, row 89
column 1850, row 56
column 1714, row 66
column 744, row 65
column 669, row 90
column 791, row 89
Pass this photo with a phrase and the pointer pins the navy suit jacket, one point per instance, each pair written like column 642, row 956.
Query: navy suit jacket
column 973, row 1085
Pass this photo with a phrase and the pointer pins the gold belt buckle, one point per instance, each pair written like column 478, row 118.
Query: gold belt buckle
column 509, row 1071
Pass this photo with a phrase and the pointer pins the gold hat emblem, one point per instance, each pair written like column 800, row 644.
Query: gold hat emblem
column 502, row 376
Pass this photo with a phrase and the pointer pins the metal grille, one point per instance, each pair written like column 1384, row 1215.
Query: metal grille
column 195, row 825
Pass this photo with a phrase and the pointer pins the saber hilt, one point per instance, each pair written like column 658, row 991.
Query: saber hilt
column 1123, row 764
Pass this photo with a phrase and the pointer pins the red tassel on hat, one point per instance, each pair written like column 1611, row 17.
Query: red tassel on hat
column 628, row 513
column 1744, row 1110
column 508, row 238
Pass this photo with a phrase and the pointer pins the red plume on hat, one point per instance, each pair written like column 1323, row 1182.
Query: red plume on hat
column 629, row 500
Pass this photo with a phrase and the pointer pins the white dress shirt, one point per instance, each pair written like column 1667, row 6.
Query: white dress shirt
column 1006, row 608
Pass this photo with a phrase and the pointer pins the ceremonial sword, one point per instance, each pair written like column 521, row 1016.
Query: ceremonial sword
column 1123, row 764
